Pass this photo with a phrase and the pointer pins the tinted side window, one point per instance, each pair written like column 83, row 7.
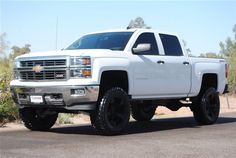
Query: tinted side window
column 171, row 45
column 148, row 38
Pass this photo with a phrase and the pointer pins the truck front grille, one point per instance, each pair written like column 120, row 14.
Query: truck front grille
column 48, row 69
column 31, row 63
column 44, row 75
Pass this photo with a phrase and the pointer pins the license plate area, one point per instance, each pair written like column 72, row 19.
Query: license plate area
column 36, row 99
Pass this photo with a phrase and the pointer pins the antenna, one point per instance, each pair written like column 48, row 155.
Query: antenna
column 56, row 31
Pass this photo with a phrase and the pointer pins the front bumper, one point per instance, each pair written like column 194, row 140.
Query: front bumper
column 65, row 97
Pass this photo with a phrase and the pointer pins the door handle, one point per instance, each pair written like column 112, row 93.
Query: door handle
column 186, row 63
column 160, row 62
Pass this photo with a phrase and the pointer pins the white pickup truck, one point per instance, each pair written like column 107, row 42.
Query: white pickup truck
column 111, row 74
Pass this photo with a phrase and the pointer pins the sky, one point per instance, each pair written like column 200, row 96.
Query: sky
column 202, row 24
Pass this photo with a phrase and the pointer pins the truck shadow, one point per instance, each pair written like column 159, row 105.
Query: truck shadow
column 144, row 127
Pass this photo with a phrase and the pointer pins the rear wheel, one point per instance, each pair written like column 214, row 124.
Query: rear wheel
column 36, row 120
column 207, row 107
column 112, row 113
column 143, row 111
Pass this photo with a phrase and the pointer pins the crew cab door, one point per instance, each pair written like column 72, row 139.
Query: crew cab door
column 177, row 66
column 157, row 74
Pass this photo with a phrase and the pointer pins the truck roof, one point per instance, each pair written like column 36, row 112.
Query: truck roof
column 133, row 30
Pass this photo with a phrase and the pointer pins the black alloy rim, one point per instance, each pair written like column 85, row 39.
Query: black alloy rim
column 116, row 113
column 211, row 104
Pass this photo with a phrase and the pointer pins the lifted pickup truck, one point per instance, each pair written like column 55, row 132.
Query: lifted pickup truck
column 111, row 74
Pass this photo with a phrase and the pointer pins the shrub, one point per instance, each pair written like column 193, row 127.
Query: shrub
column 65, row 118
column 8, row 110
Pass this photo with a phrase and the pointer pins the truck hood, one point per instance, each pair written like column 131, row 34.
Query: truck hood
column 81, row 52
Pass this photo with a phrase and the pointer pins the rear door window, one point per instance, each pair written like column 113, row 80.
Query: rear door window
column 171, row 45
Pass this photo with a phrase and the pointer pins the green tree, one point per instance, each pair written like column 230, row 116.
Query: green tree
column 138, row 23
column 8, row 110
column 202, row 55
column 228, row 50
column 20, row 51
column 212, row 55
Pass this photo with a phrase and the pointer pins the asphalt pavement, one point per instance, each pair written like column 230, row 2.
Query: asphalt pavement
column 172, row 137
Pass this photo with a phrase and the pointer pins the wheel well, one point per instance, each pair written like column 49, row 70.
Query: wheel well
column 209, row 80
column 114, row 78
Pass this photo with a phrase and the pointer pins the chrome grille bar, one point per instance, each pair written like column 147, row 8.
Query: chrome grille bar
column 32, row 63
column 52, row 69
column 44, row 75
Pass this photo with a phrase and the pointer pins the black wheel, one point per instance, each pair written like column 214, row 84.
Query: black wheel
column 112, row 113
column 143, row 111
column 36, row 121
column 207, row 107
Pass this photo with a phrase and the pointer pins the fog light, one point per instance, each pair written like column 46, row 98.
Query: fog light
column 78, row 92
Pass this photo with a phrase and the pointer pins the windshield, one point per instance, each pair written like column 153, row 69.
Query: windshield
column 109, row 40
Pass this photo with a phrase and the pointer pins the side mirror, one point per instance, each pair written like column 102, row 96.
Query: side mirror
column 143, row 47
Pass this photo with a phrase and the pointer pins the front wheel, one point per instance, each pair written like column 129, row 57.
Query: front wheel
column 35, row 120
column 112, row 113
column 207, row 107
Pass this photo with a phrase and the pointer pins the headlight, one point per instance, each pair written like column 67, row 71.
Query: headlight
column 80, row 67
column 80, row 61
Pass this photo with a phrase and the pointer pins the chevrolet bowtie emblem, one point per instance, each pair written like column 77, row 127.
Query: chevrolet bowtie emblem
column 37, row 68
